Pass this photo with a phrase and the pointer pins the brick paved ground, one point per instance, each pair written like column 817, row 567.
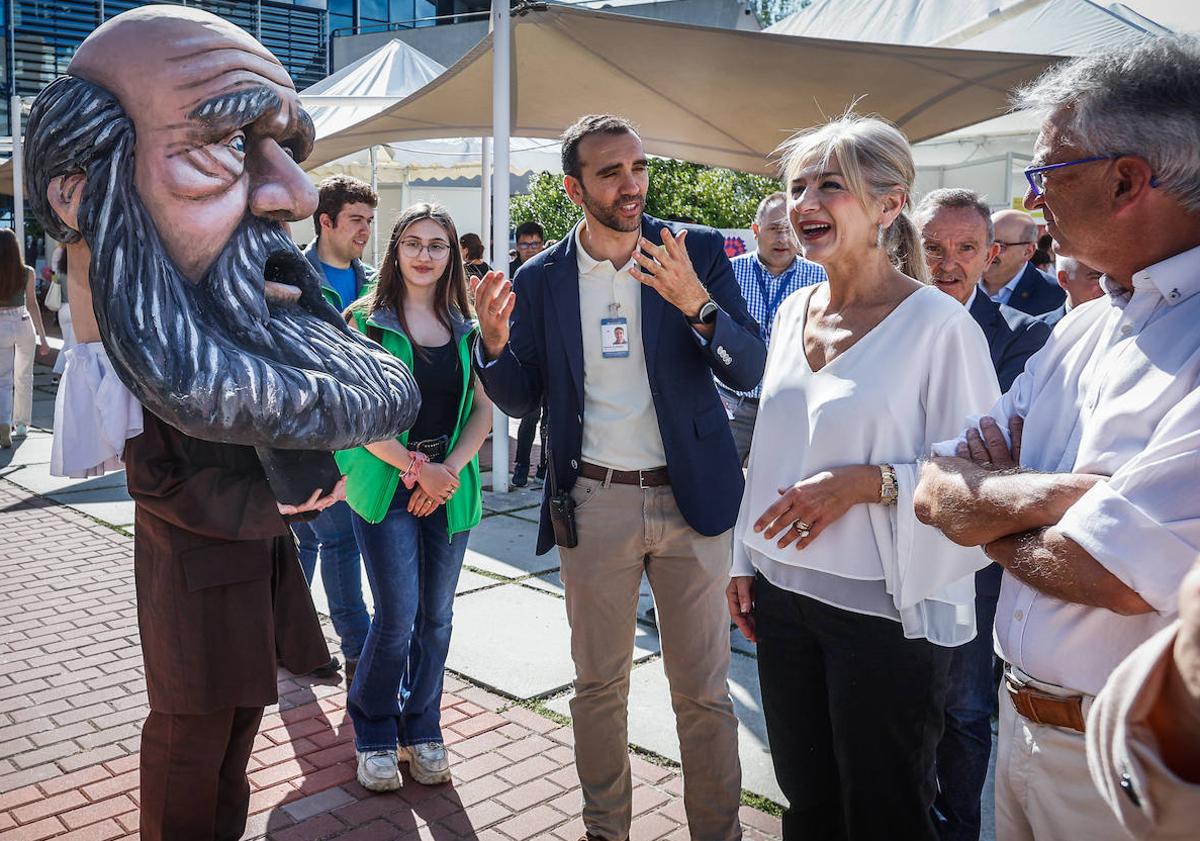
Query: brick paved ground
column 72, row 699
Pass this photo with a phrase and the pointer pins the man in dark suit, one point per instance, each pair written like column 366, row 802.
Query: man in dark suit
column 956, row 233
column 1081, row 283
column 639, row 438
column 1011, row 279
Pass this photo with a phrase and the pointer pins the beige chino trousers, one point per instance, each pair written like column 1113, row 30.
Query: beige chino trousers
column 623, row 531
column 1044, row 791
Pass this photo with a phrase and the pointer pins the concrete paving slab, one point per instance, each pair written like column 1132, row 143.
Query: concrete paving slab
column 515, row 640
column 516, row 498
column 469, row 582
column 37, row 478
column 504, row 545
column 531, row 515
column 113, row 512
column 32, row 449
column 652, row 721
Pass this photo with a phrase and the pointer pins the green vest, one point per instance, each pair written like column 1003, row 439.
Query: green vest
column 371, row 482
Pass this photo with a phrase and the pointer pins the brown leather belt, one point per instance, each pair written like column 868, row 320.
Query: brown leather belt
column 1043, row 708
column 656, row 477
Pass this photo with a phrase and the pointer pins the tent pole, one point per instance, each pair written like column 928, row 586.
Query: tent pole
column 485, row 198
column 375, row 218
column 501, row 125
column 18, row 163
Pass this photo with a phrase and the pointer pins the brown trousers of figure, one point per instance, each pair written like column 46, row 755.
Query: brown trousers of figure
column 193, row 774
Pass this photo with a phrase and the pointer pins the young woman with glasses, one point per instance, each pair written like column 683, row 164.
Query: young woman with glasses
column 415, row 500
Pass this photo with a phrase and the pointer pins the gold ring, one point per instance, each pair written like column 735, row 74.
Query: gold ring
column 801, row 526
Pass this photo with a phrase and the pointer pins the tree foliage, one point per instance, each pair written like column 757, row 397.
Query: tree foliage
column 722, row 198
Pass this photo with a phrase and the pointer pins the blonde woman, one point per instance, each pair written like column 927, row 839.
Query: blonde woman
column 856, row 606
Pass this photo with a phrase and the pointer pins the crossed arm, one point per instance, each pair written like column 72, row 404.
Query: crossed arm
column 980, row 497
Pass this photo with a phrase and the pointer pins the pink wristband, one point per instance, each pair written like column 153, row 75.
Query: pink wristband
column 413, row 473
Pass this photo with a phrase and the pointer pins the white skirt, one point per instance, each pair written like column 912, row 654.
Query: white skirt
column 94, row 414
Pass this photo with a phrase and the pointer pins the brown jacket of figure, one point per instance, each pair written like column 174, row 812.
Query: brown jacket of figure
column 220, row 593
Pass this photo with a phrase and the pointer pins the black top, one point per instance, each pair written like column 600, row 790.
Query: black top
column 477, row 269
column 439, row 378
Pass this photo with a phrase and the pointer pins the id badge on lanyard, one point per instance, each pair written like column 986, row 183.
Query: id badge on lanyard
column 614, row 337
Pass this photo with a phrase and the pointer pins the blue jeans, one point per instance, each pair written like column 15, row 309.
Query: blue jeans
column 413, row 570
column 962, row 757
column 332, row 536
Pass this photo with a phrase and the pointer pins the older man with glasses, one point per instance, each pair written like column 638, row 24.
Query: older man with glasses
column 1081, row 481
column 1011, row 279
column 766, row 277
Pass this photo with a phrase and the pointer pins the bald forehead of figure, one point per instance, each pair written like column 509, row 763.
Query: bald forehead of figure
column 1014, row 226
column 167, row 63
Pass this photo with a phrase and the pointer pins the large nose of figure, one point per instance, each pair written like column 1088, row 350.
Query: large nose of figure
column 279, row 189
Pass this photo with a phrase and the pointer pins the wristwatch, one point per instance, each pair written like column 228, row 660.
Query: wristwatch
column 707, row 314
column 888, row 489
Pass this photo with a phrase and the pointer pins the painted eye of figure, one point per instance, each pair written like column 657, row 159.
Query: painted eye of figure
column 236, row 142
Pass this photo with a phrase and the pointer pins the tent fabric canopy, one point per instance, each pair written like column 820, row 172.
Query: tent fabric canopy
column 1053, row 27
column 394, row 71
column 712, row 96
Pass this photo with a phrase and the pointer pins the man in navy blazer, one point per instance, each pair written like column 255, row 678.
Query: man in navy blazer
column 621, row 327
column 958, row 238
column 1011, row 279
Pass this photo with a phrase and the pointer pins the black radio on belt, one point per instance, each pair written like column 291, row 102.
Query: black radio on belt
column 562, row 507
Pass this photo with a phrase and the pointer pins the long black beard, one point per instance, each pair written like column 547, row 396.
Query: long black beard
column 216, row 361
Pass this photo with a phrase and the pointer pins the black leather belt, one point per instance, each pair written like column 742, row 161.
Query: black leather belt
column 434, row 448
column 655, row 477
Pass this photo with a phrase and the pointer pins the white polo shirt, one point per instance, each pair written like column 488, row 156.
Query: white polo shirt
column 620, row 424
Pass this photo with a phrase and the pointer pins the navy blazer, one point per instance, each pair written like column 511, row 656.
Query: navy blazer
column 1012, row 336
column 544, row 358
column 1035, row 293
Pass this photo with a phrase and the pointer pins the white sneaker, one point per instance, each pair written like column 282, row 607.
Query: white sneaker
column 378, row 770
column 427, row 762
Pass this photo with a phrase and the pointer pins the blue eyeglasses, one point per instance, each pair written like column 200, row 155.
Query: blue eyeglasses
column 1036, row 175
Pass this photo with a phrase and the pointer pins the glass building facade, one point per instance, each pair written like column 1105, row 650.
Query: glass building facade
column 40, row 36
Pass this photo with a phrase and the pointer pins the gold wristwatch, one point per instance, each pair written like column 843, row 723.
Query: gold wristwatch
column 888, row 489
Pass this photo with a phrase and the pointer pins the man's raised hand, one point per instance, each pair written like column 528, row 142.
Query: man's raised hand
column 494, row 303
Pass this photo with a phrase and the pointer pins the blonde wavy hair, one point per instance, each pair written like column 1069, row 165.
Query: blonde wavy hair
column 875, row 158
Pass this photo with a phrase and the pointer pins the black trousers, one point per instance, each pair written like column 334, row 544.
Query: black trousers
column 854, row 715
column 525, row 432
column 193, row 774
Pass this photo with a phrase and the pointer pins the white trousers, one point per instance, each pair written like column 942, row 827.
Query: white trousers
column 1044, row 791
column 17, row 344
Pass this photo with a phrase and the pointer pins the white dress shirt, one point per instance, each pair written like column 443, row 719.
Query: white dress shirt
column 1114, row 392
column 904, row 385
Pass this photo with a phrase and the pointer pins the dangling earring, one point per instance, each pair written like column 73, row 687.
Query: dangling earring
column 879, row 235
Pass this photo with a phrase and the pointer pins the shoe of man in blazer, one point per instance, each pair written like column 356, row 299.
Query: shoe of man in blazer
column 621, row 328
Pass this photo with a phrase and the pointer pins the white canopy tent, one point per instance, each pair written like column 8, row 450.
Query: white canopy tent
column 987, row 157
column 697, row 93
column 382, row 78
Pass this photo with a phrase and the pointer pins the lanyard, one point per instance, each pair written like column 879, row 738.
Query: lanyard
column 772, row 304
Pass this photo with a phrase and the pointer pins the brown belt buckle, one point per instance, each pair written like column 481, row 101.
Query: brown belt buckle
column 1044, row 708
column 642, row 480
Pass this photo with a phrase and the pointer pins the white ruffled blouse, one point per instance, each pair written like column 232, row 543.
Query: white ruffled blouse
column 911, row 381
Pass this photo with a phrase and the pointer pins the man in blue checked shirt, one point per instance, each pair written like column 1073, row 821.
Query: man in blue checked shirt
column 767, row 276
